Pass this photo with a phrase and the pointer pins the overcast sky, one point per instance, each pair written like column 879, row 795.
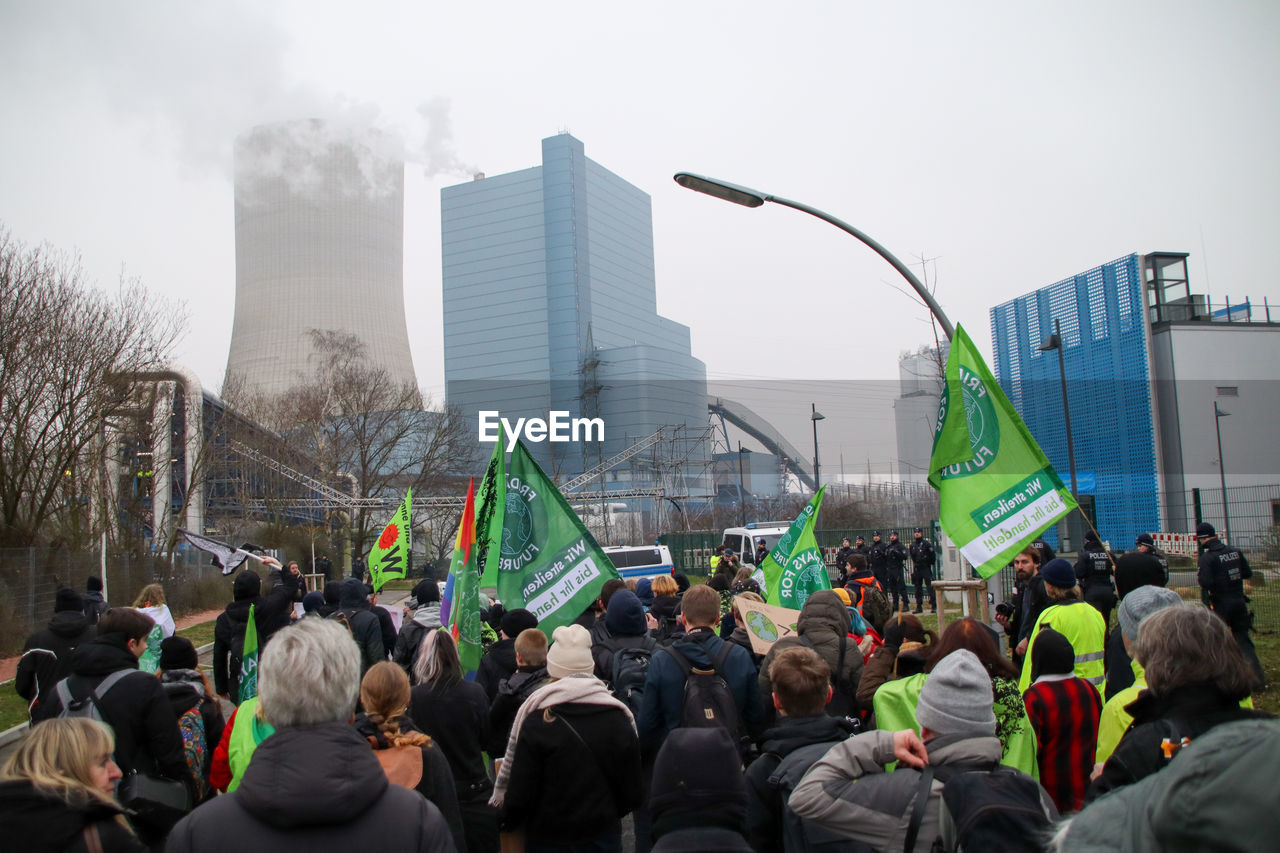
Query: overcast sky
column 1015, row 143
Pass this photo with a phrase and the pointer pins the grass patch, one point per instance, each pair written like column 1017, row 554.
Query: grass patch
column 13, row 708
column 199, row 635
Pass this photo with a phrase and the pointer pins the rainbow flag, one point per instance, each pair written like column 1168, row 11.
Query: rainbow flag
column 460, row 604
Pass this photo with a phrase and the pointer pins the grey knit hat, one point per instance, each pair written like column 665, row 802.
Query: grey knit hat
column 957, row 699
column 1141, row 603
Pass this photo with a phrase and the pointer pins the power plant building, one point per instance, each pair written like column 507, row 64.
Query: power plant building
column 319, row 220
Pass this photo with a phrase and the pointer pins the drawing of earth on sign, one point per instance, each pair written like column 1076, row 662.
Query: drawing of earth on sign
column 762, row 626
column 517, row 527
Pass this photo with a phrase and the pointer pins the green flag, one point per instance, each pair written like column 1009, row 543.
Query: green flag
column 795, row 568
column 996, row 489
column 491, row 501
column 460, row 609
column 249, row 660
column 390, row 554
column 150, row 660
column 547, row 561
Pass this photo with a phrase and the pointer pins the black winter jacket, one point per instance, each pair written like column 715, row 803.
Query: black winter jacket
column 39, row 823
column 498, row 663
column 512, row 692
column 457, row 718
column 46, row 656
column 824, row 621
column 270, row 613
column 136, row 708
column 309, row 789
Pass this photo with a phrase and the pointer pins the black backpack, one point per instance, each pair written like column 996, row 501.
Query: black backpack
column 630, row 670
column 984, row 808
column 800, row 835
column 707, row 698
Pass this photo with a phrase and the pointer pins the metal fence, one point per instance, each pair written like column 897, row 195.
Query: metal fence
column 30, row 578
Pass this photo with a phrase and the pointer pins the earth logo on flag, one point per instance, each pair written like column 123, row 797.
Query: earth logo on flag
column 762, row 626
column 517, row 526
column 981, row 421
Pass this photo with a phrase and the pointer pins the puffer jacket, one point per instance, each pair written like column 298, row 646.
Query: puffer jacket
column 823, row 623
column 425, row 618
column 38, row 821
column 365, row 629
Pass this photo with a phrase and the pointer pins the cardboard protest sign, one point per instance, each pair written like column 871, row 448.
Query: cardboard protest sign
column 766, row 623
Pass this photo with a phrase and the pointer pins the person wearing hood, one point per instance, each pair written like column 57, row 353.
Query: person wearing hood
column 229, row 628
column 499, row 660
column 94, row 604
column 332, row 596
column 824, row 627
column 424, row 605
column 314, row 784
column 313, row 604
column 361, row 622
column 1063, row 709
column 57, row 792
column 801, row 682
column 644, row 592
column 187, row 688
column 600, row 629
column 699, row 800
column 46, row 655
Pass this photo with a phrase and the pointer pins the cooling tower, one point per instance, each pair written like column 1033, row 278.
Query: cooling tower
column 319, row 246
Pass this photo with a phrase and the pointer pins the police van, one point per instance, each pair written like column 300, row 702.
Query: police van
column 742, row 540
column 641, row 561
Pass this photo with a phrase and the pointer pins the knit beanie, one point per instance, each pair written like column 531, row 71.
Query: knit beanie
column 1058, row 572
column 312, row 601
column 956, row 698
column 570, row 652
column 625, row 616
column 682, row 583
column 644, row 591
column 698, row 775
column 845, row 598
column 517, row 620
column 67, row 599
column 246, row 585
column 1141, row 603
column 426, row 592
column 178, row 653
column 332, row 592
column 93, row 584
column 1052, row 654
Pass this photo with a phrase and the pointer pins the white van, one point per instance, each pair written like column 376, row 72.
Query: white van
column 641, row 561
column 742, row 540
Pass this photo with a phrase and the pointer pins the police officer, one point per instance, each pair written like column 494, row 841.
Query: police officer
column 842, row 560
column 877, row 560
column 1222, row 572
column 1144, row 567
column 860, row 546
column 1093, row 570
column 922, row 558
column 895, row 559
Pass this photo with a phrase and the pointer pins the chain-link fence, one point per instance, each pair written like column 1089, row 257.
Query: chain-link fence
column 30, row 578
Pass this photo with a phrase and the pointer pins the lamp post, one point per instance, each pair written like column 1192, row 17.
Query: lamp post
column 816, row 416
column 742, row 502
column 1055, row 342
column 1218, row 415
column 748, row 197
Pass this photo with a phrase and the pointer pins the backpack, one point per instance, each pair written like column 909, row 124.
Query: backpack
column 87, row 706
column 707, row 698
column 630, row 670
column 800, row 835
column 195, row 748
column 983, row 808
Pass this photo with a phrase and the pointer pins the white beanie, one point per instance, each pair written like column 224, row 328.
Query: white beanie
column 956, row 698
column 570, row 652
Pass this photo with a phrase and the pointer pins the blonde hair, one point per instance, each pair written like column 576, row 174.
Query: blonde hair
column 57, row 757
column 665, row 585
column 384, row 693
column 152, row 594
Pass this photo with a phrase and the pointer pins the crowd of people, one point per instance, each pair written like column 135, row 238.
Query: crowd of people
column 860, row 729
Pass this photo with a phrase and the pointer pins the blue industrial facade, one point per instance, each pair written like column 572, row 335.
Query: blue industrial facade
column 550, row 303
column 1106, row 342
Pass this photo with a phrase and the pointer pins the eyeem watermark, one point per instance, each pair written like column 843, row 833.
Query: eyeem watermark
column 558, row 426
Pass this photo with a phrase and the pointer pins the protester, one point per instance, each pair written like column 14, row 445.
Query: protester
column 1221, row 573
column 662, row 709
column 499, row 660
column 244, row 732
column 57, row 791
column 1115, row 719
column 455, row 713
column 906, row 648
column 699, row 800
column 740, row 636
column 332, row 597
column 188, row 691
column 233, row 621
column 314, row 784
column 572, row 765
column 895, row 701
column 600, row 630
column 1143, row 567
column 1029, row 600
column 422, row 614
column 1083, row 627
column 846, row 792
column 664, row 606
column 151, row 601
column 134, row 704
column 644, row 591
column 1196, row 678
column 285, row 587
column 94, row 604
column 1063, row 710
column 46, row 654
column 530, row 674
column 408, row 757
column 363, row 625
column 867, row 595
column 823, row 625
column 800, row 683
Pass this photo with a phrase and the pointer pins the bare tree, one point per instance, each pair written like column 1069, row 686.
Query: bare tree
column 61, row 342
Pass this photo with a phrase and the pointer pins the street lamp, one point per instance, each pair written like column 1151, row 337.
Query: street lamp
column 748, row 197
column 1218, row 415
column 815, row 417
column 742, row 503
column 1055, row 342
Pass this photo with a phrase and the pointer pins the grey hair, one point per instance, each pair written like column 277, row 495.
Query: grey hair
column 309, row 675
column 437, row 663
column 1188, row 645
